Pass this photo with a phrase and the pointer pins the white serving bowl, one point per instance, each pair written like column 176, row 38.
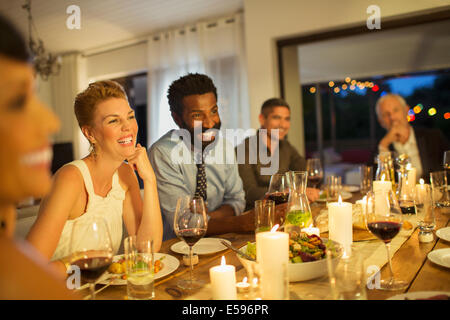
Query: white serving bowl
column 301, row 271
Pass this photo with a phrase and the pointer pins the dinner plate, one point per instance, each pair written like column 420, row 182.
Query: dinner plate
column 419, row 295
column 440, row 257
column 344, row 195
column 350, row 188
column 203, row 246
column 170, row 264
column 444, row 233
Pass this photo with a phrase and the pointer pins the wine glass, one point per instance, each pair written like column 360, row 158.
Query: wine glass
column 91, row 249
column 384, row 220
column 278, row 192
column 315, row 171
column 190, row 224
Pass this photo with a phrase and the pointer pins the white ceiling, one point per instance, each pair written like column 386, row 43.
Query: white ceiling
column 409, row 49
column 105, row 22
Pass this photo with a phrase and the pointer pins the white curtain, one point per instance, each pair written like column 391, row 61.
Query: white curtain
column 215, row 49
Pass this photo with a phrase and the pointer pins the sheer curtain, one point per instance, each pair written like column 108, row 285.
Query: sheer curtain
column 216, row 49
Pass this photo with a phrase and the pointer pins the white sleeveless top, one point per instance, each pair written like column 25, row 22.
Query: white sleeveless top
column 109, row 207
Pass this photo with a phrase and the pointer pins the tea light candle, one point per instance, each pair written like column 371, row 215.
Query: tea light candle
column 412, row 173
column 311, row 230
column 381, row 185
column 340, row 224
column 272, row 250
column 223, row 281
column 243, row 286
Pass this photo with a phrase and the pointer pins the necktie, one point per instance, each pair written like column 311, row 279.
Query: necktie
column 200, row 190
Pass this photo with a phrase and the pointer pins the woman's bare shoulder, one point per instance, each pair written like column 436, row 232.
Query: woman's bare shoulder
column 69, row 176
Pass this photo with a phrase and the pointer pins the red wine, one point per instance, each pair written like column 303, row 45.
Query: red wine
column 92, row 268
column 314, row 181
column 279, row 197
column 191, row 236
column 384, row 230
column 408, row 209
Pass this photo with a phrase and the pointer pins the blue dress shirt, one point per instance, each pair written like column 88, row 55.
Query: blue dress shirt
column 175, row 168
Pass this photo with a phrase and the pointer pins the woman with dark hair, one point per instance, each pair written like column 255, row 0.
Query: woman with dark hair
column 25, row 159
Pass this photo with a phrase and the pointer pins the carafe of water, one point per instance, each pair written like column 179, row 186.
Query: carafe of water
column 299, row 212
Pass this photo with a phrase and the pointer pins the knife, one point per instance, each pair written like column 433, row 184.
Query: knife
column 242, row 254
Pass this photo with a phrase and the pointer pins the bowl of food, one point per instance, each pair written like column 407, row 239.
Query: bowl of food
column 307, row 256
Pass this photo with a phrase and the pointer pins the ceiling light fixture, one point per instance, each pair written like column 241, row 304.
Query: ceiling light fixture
column 45, row 63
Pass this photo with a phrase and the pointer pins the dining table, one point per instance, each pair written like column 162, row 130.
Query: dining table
column 409, row 263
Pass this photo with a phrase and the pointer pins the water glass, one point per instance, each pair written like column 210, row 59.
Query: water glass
column 139, row 261
column 264, row 215
column 425, row 211
column 346, row 275
column 366, row 179
column 439, row 187
column 333, row 188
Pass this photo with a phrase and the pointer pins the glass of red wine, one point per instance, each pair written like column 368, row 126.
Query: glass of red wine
column 315, row 172
column 384, row 220
column 279, row 193
column 91, row 249
column 190, row 225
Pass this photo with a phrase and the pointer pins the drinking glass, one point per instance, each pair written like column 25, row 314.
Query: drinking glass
column 190, row 224
column 139, row 261
column 439, row 187
column 366, row 176
column 384, row 220
column 315, row 171
column 333, row 188
column 425, row 210
column 264, row 215
column 346, row 275
column 446, row 162
column 278, row 189
column 91, row 249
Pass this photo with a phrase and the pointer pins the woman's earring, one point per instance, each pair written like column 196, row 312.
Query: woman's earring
column 93, row 152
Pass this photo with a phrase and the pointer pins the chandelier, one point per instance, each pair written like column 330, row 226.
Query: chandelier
column 44, row 63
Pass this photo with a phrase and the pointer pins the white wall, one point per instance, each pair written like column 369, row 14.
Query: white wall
column 267, row 21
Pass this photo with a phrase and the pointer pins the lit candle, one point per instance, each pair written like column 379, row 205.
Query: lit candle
column 223, row 281
column 382, row 184
column 272, row 251
column 340, row 224
column 243, row 286
column 421, row 191
column 412, row 172
column 311, row 230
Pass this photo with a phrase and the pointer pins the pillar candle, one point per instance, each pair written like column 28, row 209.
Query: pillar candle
column 379, row 185
column 272, row 250
column 340, row 224
column 421, row 191
column 223, row 281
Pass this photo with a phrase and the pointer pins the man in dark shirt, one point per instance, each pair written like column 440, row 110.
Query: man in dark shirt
column 275, row 114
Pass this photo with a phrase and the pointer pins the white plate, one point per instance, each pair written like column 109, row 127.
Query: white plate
column 350, row 188
column 203, row 246
column 344, row 194
column 440, row 257
column 444, row 233
column 170, row 264
column 418, row 295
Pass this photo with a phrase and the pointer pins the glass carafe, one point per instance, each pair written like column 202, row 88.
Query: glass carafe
column 299, row 212
column 385, row 168
column 406, row 192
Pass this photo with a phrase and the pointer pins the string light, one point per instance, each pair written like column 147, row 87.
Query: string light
column 331, row 84
column 337, row 90
column 347, row 79
column 312, row 90
column 447, row 115
column 432, row 112
column 344, row 87
column 417, row 109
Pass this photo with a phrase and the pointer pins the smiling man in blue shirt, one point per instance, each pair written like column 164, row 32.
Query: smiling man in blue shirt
column 196, row 160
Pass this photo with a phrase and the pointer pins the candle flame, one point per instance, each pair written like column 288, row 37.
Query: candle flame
column 223, row 263
column 408, row 166
column 244, row 280
column 275, row 227
column 340, row 200
column 421, row 181
column 383, row 177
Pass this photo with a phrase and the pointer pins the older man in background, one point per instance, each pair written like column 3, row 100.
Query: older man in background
column 424, row 146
